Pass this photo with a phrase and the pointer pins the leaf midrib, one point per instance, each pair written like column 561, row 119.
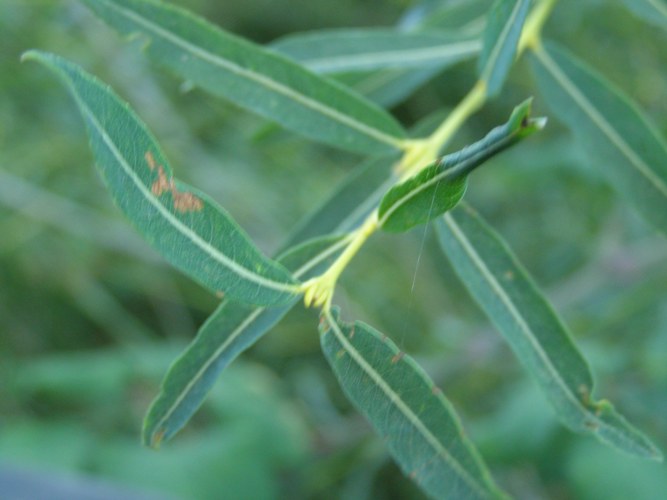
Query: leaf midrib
column 355, row 62
column 177, row 224
column 525, row 328
column 236, row 333
column 606, row 128
column 395, row 398
column 278, row 88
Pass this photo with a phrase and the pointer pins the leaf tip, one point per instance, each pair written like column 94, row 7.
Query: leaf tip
column 32, row 55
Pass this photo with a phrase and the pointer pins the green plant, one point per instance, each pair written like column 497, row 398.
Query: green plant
column 202, row 240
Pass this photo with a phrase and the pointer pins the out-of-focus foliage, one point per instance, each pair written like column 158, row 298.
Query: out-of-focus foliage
column 90, row 317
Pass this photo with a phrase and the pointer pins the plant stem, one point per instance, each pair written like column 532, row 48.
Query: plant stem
column 532, row 31
column 319, row 291
column 419, row 153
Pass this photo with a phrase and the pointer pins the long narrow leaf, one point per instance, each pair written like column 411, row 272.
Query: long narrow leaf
column 343, row 50
column 440, row 187
column 253, row 77
column 230, row 330
column 507, row 294
column 651, row 11
column 189, row 229
column 415, row 420
column 501, row 36
column 388, row 87
column 615, row 134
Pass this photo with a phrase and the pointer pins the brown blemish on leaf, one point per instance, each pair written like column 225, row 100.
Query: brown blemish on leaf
column 186, row 202
column 220, row 294
column 413, row 475
column 509, row 275
column 340, row 354
column 351, row 334
column 150, row 160
column 162, row 184
column 435, row 390
column 397, row 357
column 182, row 200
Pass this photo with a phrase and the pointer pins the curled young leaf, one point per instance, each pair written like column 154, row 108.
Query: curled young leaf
column 441, row 186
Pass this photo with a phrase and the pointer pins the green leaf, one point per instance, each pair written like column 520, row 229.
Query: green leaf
column 414, row 419
column 651, row 11
column 230, row 330
column 459, row 15
column 501, row 36
column 189, row 229
column 441, row 186
column 344, row 50
column 388, row 87
column 506, row 292
column 253, row 77
column 614, row 133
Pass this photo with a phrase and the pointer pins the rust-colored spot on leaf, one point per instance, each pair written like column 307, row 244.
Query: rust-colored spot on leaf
column 220, row 294
column 186, row 202
column 162, row 184
column 435, row 390
column 182, row 200
column 397, row 357
column 509, row 275
column 150, row 160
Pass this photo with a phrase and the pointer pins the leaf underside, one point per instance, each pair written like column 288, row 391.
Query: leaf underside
column 413, row 417
column 230, row 330
column 184, row 225
column 615, row 134
column 507, row 294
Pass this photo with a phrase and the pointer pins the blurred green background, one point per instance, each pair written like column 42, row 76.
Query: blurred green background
column 90, row 317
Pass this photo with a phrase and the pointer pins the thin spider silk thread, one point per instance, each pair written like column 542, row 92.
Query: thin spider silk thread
column 417, row 265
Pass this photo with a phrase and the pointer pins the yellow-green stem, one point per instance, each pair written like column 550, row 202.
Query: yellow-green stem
column 530, row 37
column 319, row 291
column 418, row 153
column 429, row 148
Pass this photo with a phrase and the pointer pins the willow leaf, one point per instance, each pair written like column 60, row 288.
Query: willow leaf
column 189, row 229
column 614, row 133
column 387, row 87
column 253, row 77
column 441, row 186
column 506, row 292
column 230, row 330
column 651, row 11
column 414, row 419
column 343, row 50
column 501, row 36
column 460, row 15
